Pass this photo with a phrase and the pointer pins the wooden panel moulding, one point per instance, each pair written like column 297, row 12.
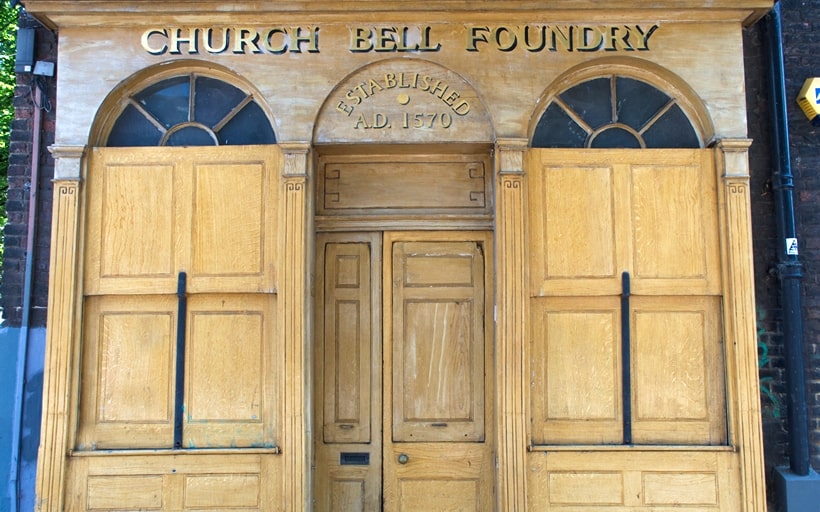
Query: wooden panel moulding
column 732, row 161
column 292, row 251
column 60, row 346
column 399, row 185
column 511, row 276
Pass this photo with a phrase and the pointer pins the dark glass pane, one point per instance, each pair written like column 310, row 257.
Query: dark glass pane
column 214, row 99
column 190, row 136
column 592, row 101
column 672, row 130
column 133, row 129
column 557, row 130
column 637, row 102
column 615, row 138
column 168, row 100
column 249, row 126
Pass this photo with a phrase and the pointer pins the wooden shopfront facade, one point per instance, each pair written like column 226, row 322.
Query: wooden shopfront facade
column 343, row 256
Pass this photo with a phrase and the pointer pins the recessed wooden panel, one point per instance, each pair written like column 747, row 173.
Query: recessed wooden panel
column 130, row 212
column 133, row 222
column 347, row 496
column 231, row 205
column 600, row 213
column 127, row 373
column 670, row 361
column 677, row 371
column 154, row 212
column 175, row 480
column 584, row 488
column 347, row 343
column 401, row 184
column 224, row 365
column 343, row 488
column 229, row 394
column 438, row 347
column 674, row 222
column 139, row 492
column 575, row 368
column 218, row 492
column 675, row 488
column 634, row 480
column 228, row 211
column 423, row 270
column 433, row 495
column 135, row 366
column 578, row 221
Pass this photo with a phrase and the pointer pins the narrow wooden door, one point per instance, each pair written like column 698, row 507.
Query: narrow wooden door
column 437, row 448
column 414, row 432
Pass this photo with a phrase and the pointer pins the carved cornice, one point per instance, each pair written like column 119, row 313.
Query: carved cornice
column 58, row 13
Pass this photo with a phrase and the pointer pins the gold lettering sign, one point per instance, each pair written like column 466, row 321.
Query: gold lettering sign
column 405, row 84
column 553, row 38
column 237, row 40
column 532, row 38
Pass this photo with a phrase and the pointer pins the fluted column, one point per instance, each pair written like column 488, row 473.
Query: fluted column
column 739, row 305
column 293, row 297
column 511, row 324
column 63, row 296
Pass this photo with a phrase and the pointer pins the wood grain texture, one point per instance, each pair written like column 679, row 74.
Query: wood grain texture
column 511, row 323
column 292, row 312
column 651, row 212
column 741, row 340
column 55, row 437
column 441, row 459
column 154, row 213
column 575, row 481
column 347, row 382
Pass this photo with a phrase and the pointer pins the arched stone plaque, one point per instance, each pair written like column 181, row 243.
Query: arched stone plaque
column 403, row 101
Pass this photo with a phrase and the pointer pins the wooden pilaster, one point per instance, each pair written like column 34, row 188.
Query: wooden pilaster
column 62, row 330
column 293, row 306
column 511, row 324
column 739, row 306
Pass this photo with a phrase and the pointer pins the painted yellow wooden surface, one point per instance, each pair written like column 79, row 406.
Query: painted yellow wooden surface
column 206, row 211
column 185, row 482
column 433, row 396
column 632, row 480
column 348, row 394
column 437, row 372
column 210, row 213
column 652, row 213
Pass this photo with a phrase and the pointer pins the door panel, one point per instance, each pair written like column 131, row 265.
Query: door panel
column 347, row 335
column 437, row 337
column 154, row 213
column 348, row 375
column 427, row 403
column 437, row 372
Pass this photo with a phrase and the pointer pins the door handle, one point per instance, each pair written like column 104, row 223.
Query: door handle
column 403, row 458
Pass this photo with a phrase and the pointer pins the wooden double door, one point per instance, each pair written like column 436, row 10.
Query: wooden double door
column 403, row 372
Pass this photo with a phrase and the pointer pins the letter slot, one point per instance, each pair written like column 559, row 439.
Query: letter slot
column 354, row 458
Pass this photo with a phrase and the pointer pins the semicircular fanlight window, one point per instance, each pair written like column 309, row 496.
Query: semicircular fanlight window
column 614, row 112
column 191, row 110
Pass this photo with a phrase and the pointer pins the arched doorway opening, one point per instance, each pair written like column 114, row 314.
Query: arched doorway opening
column 403, row 335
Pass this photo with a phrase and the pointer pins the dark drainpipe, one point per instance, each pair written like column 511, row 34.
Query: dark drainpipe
column 789, row 270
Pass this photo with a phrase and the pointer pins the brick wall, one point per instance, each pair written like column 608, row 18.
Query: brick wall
column 19, row 175
column 801, row 43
